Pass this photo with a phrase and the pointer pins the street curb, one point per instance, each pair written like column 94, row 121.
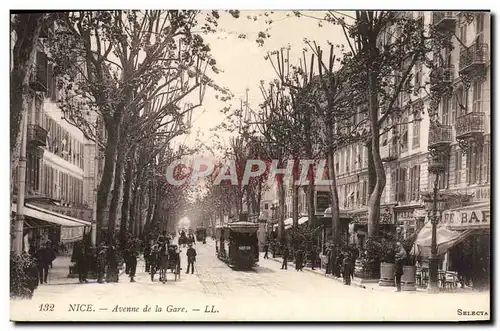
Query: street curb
column 339, row 280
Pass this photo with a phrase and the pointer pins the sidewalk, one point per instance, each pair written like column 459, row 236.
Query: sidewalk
column 58, row 274
column 366, row 284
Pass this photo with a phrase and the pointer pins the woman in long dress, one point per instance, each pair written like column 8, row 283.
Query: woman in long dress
column 112, row 275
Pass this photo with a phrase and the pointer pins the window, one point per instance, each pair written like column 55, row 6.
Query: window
column 476, row 96
column 458, row 166
column 486, row 162
column 473, row 165
column 348, row 159
column 445, row 111
column 364, row 193
column 479, row 27
column 402, row 184
column 463, row 34
column 414, row 183
column 443, row 180
column 416, row 130
column 266, row 206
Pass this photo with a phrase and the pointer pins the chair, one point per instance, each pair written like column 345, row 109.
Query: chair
column 451, row 279
column 442, row 278
column 418, row 277
column 425, row 276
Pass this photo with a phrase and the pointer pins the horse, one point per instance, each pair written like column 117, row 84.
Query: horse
column 163, row 263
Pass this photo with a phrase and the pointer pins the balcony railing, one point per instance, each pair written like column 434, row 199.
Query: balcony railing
column 441, row 75
column 389, row 152
column 39, row 73
column 439, row 135
column 444, row 19
column 473, row 57
column 470, row 124
column 37, row 135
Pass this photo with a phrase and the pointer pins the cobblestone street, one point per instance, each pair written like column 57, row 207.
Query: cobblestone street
column 259, row 294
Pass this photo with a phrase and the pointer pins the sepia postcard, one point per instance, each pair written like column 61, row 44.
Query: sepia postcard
column 250, row 165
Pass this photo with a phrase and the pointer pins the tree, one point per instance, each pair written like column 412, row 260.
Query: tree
column 115, row 63
column 25, row 29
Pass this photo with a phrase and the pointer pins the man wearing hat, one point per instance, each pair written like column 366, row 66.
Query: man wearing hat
column 191, row 256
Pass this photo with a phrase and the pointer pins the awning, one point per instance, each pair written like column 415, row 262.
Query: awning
column 328, row 213
column 445, row 239
column 50, row 216
column 303, row 220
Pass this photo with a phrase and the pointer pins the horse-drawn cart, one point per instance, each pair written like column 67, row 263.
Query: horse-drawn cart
column 167, row 258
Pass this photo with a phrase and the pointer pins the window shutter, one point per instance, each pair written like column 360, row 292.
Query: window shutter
column 410, row 184
column 417, row 181
column 394, row 185
column 403, row 184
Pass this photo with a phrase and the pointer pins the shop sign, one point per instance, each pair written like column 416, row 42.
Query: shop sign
column 406, row 215
column 347, row 180
column 79, row 213
column 419, row 213
column 466, row 218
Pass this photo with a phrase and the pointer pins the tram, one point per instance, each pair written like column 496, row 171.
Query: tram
column 238, row 245
column 201, row 234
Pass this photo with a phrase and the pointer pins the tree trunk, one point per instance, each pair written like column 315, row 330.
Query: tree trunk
column 103, row 192
column 126, row 210
column 334, row 196
column 311, row 212
column 281, row 209
column 295, row 204
column 259, row 197
column 375, row 196
column 372, row 173
column 117, row 194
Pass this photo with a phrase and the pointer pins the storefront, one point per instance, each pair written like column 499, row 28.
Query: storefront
column 409, row 219
column 41, row 225
column 463, row 242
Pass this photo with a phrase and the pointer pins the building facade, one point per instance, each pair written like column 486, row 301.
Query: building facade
column 59, row 162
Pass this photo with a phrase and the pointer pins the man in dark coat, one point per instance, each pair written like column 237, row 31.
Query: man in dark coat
column 132, row 259
column 299, row 259
column 285, row 257
column 266, row 250
column 147, row 252
column 44, row 258
column 81, row 261
column 399, row 261
column 191, row 256
column 101, row 263
column 347, row 268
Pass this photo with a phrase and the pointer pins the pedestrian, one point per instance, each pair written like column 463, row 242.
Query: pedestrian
column 299, row 259
column 312, row 257
column 81, row 261
column 273, row 248
column 338, row 263
column 132, row 259
column 112, row 276
column 266, row 250
column 44, row 257
column 101, row 263
column 147, row 252
column 399, row 261
column 285, row 257
column 347, row 268
column 191, row 256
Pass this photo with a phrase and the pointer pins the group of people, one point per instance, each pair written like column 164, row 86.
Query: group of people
column 186, row 239
column 44, row 257
column 340, row 263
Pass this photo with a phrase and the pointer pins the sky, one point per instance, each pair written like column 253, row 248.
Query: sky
column 243, row 64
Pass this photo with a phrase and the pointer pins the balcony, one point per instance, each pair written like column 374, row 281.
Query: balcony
column 439, row 136
column 469, row 125
column 441, row 75
column 37, row 136
column 39, row 74
column 445, row 20
column 473, row 58
column 389, row 152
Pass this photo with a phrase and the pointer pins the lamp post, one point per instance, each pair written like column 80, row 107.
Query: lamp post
column 435, row 206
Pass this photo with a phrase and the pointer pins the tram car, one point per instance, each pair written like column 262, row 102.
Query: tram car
column 201, row 234
column 238, row 245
